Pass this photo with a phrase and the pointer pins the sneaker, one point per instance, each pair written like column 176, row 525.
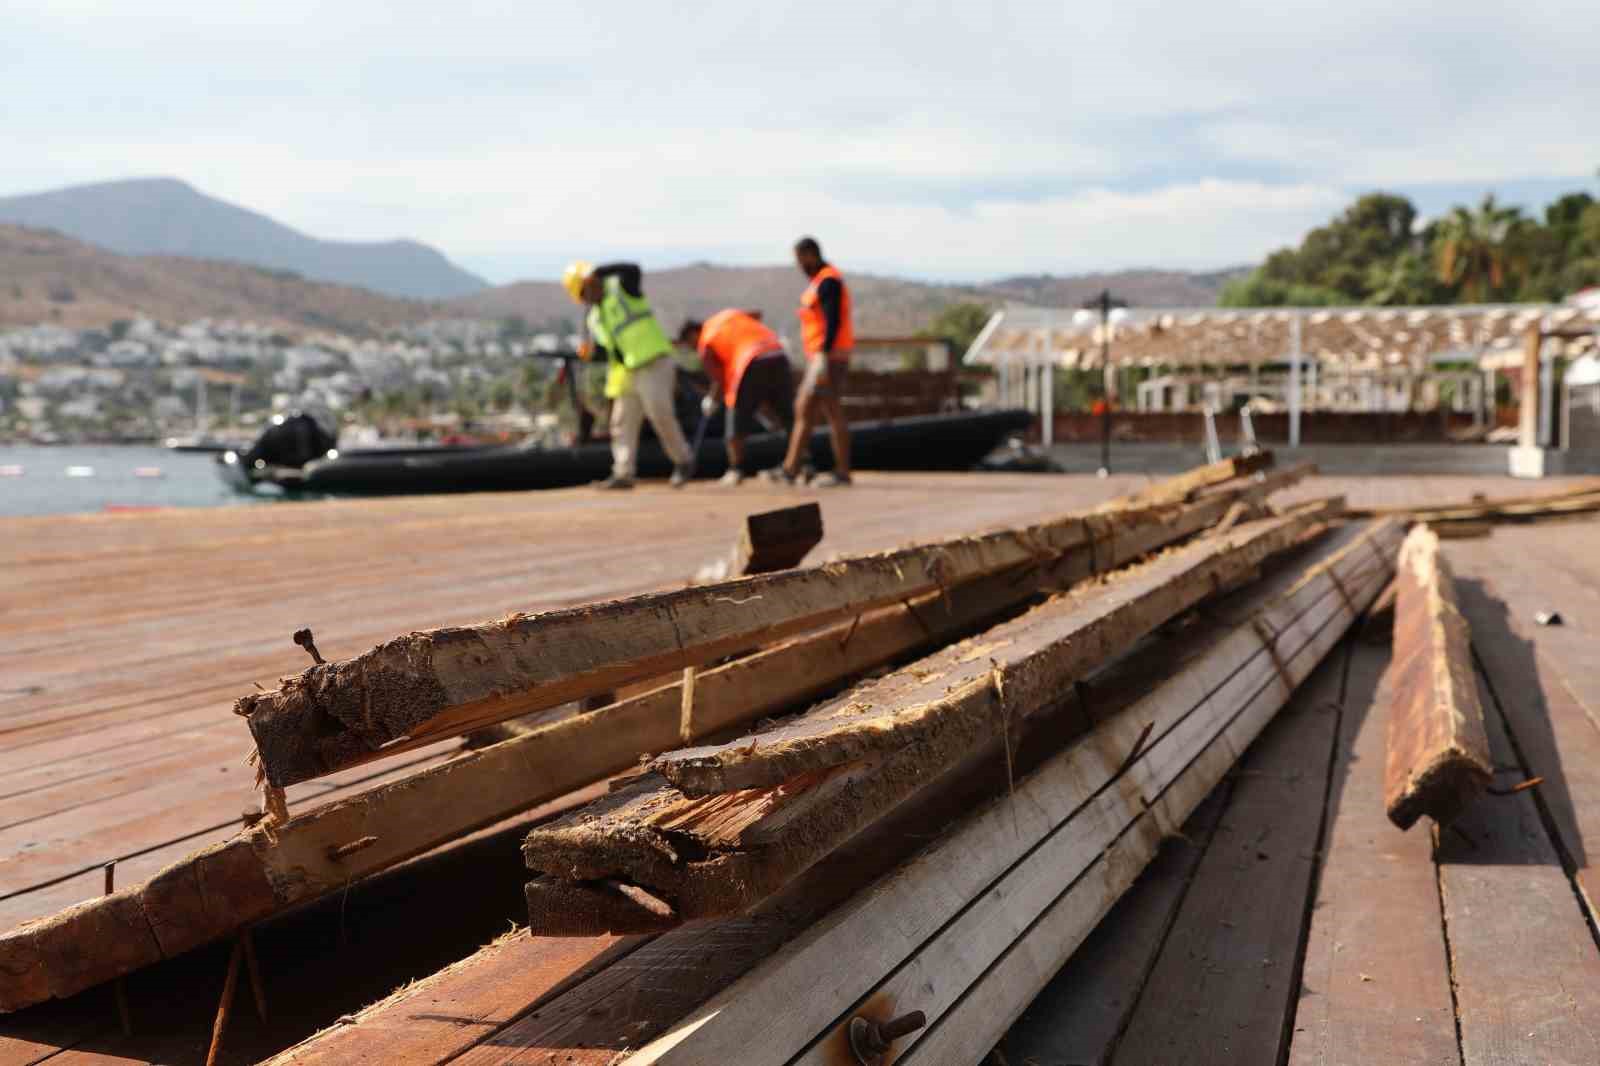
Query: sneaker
column 831, row 480
column 778, row 476
column 732, row 478
column 681, row 475
column 615, row 482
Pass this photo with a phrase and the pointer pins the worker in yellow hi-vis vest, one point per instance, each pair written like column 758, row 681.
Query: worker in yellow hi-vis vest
column 641, row 377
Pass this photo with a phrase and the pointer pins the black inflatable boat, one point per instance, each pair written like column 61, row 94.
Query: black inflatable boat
column 956, row 441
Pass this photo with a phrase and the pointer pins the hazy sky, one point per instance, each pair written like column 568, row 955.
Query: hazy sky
column 949, row 141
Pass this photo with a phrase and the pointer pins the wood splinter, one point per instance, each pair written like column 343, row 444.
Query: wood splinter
column 303, row 638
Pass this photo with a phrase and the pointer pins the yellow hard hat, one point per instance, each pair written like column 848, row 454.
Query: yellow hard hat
column 574, row 276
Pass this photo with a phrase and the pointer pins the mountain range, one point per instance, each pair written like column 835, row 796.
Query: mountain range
column 90, row 254
column 165, row 216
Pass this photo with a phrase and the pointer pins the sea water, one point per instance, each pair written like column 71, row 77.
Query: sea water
column 74, row 479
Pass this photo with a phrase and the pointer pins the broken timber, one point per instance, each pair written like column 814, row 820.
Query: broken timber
column 647, row 857
column 1186, row 485
column 221, row 889
column 426, row 686
column 971, row 928
column 1438, row 753
column 493, row 1005
column 1017, row 666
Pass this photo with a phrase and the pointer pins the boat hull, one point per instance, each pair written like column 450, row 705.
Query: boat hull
column 930, row 442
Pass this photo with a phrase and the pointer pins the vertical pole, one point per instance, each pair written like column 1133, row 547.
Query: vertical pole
column 1110, row 376
column 1047, row 403
column 1294, row 381
column 1528, row 422
column 1549, row 403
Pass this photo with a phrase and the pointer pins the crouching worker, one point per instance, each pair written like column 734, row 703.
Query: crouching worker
column 641, row 377
column 749, row 373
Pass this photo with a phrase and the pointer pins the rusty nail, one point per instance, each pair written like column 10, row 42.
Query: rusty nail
column 111, row 876
column 339, row 852
column 870, row 1039
column 303, row 638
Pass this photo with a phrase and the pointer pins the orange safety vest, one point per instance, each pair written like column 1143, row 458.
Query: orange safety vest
column 814, row 324
column 729, row 342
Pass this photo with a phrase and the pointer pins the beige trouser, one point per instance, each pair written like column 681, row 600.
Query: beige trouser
column 649, row 396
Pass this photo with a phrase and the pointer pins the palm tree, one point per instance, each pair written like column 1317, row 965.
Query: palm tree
column 1475, row 248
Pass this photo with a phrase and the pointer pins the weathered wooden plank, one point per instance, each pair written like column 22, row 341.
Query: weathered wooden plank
column 1000, row 994
column 1438, row 756
column 1073, row 835
column 446, row 1013
column 1375, row 984
column 1078, row 1016
column 446, row 681
column 744, row 845
column 955, row 689
column 1223, row 986
column 1523, row 960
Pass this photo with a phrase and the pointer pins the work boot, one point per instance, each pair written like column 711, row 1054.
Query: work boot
column 734, row 477
column 615, row 482
column 831, row 480
column 681, row 475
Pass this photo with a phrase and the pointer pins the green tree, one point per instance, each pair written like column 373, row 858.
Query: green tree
column 1257, row 289
column 502, row 394
column 960, row 324
column 1338, row 258
column 1476, row 251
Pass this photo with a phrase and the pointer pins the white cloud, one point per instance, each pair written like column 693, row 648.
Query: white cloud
column 951, row 140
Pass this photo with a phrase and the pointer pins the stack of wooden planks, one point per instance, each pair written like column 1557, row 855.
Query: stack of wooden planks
column 862, row 612
column 900, row 788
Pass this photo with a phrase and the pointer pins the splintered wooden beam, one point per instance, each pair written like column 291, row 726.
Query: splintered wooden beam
column 427, row 686
column 968, row 930
column 1184, row 486
column 1438, row 758
column 256, row 874
column 955, row 691
column 648, row 857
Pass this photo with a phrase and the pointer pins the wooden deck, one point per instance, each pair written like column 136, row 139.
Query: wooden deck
column 128, row 636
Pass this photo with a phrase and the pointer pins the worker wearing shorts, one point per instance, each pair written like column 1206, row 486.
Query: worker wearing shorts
column 749, row 373
column 828, row 336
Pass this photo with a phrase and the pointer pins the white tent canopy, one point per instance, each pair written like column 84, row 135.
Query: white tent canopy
column 1350, row 338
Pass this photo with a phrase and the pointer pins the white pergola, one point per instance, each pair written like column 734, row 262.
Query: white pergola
column 1026, row 344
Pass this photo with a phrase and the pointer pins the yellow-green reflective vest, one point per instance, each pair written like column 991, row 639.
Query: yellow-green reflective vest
column 627, row 327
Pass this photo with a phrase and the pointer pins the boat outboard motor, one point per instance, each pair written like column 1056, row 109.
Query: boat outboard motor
column 291, row 440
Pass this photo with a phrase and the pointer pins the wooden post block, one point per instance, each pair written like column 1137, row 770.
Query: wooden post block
column 1438, row 755
column 777, row 540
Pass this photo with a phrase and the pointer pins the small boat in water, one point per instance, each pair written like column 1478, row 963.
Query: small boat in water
column 295, row 454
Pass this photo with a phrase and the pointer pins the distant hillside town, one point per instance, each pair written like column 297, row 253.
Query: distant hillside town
column 141, row 380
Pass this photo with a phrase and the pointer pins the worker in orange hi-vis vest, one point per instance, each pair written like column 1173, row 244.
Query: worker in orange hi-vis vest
column 828, row 336
column 749, row 372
